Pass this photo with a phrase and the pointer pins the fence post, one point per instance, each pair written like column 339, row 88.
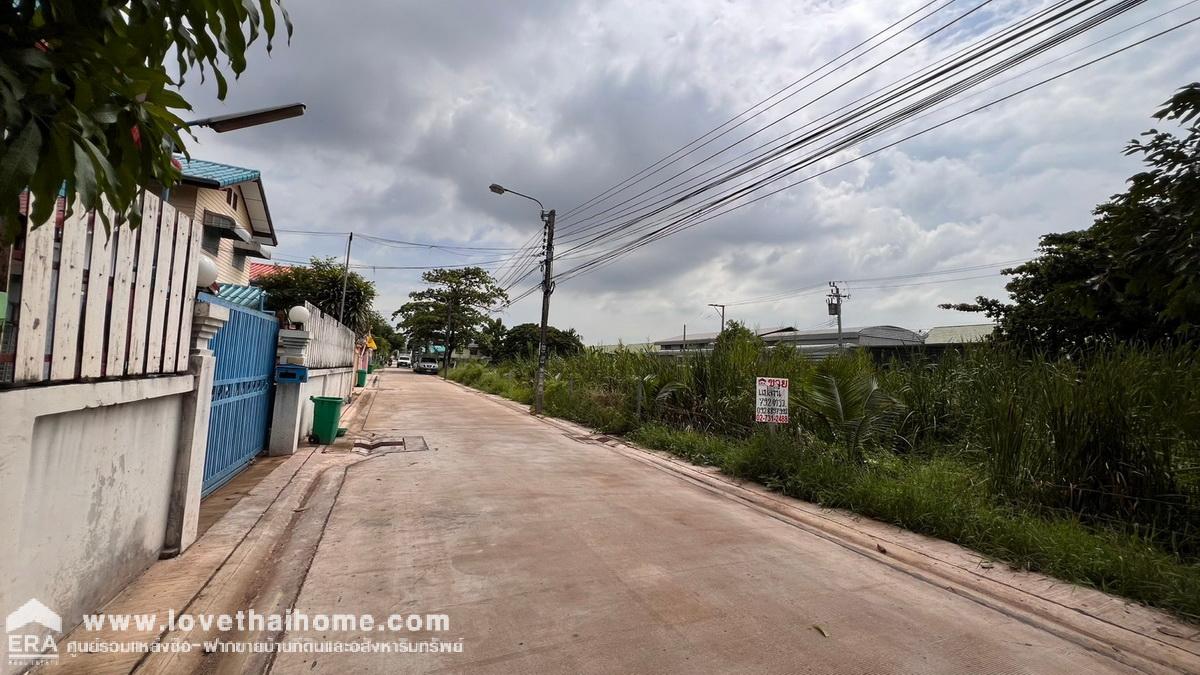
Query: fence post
column 184, row 514
column 289, row 399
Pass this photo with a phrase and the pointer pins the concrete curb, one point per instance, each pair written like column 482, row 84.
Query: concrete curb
column 1131, row 634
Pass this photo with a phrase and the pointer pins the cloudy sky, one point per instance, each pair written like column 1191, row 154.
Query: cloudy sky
column 415, row 107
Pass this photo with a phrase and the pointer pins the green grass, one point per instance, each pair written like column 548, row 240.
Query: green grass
column 493, row 382
column 943, row 498
column 1084, row 469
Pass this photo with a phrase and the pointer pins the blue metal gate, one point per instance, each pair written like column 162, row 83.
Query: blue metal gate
column 241, row 402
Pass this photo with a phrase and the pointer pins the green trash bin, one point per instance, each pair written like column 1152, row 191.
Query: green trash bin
column 327, row 410
column 362, row 378
column 371, row 368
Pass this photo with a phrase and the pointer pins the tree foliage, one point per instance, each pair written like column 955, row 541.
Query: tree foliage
column 735, row 331
column 522, row 341
column 1134, row 275
column 491, row 337
column 86, row 97
column 452, row 311
column 387, row 340
column 321, row 284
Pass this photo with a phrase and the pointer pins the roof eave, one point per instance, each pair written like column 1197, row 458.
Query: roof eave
column 201, row 182
column 269, row 234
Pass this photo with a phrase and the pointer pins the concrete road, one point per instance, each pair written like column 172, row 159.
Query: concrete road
column 551, row 555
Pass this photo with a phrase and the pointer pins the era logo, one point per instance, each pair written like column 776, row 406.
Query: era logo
column 27, row 643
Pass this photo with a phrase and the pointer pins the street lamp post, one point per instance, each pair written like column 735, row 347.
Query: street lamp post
column 539, row 382
column 717, row 305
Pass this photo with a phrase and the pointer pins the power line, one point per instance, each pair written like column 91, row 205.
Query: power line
column 817, row 288
column 775, row 144
column 483, row 263
column 519, row 262
column 925, row 283
column 704, row 212
column 452, row 249
column 844, row 84
column 570, row 212
column 318, row 233
column 402, row 243
column 948, row 270
column 873, row 108
column 399, row 243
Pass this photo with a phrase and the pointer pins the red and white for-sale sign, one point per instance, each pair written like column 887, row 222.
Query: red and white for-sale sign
column 771, row 400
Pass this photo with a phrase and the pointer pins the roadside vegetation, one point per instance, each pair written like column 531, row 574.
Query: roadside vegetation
column 1086, row 469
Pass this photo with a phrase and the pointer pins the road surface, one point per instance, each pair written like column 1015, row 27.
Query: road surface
column 551, row 555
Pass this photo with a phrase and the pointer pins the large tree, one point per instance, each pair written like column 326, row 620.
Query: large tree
column 320, row 282
column 86, row 99
column 1134, row 275
column 522, row 341
column 452, row 311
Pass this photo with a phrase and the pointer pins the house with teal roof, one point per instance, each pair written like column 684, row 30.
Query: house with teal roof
column 232, row 205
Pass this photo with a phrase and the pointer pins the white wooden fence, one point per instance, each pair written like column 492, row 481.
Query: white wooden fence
column 92, row 304
column 331, row 344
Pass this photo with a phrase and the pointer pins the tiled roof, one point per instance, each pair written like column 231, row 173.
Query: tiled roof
column 246, row 296
column 212, row 173
column 260, row 270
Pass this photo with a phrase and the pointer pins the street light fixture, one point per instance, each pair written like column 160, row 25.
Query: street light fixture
column 250, row 118
column 539, row 382
column 239, row 120
column 499, row 189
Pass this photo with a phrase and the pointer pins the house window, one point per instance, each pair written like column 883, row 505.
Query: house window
column 231, row 198
column 210, row 241
column 239, row 261
column 218, row 221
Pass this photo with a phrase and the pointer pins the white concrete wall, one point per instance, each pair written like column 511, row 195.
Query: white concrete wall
column 322, row 382
column 86, row 472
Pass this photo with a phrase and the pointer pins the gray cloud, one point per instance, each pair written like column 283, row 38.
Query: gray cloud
column 415, row 107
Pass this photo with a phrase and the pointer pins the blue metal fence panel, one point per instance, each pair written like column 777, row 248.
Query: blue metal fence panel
column 241, row 405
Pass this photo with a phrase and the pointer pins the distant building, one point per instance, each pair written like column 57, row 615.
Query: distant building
column 468, row 352
column 817, row 342
column 260, row 270
column 704, row 341
column 824, row 341
column 627, row 346
column 957, row 335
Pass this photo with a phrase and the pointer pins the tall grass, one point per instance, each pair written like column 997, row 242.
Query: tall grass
column 1033, row 460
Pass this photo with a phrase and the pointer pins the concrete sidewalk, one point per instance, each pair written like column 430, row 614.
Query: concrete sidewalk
column 550, row 552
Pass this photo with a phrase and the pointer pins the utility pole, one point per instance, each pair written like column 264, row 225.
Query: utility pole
column 449, row 309
column 345, row 278
column 539, row 385
column 722, row 308
column 539, row 381
column 834, row 300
